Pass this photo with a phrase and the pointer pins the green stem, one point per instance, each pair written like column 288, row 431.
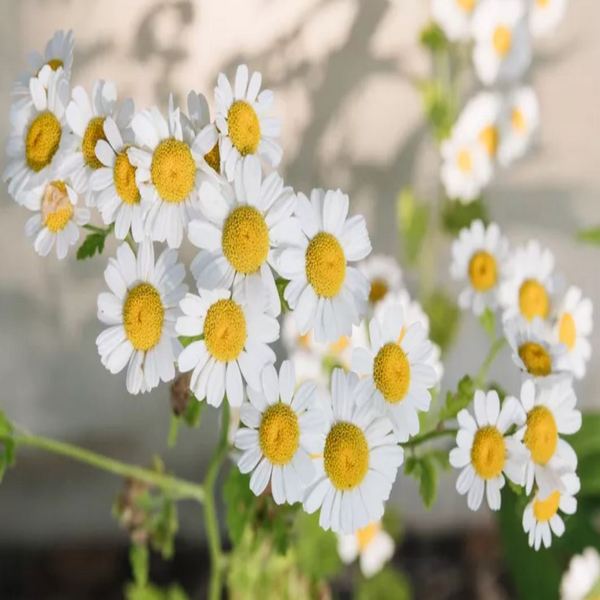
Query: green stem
column 496, row 346
column 178, row 488
column 211, row 522
column 438, row 432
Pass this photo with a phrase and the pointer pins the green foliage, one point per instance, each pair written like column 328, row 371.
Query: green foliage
column 139, row 561
column 488, row 322
column 412, row 223
column 425, row 470
column 281, row 284
column 190, row 417
column 590, row 236
column 186, row 340
column 94, row 241
column 7, row 445
column 433, row 38
column 439, row 108
column 385, row 585
column 444, row 317
column 240, row 503
column 456, row 401
column 152, row 592
column 315, row 548
column 457, row 215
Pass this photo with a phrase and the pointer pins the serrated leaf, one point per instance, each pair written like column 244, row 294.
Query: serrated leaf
column 590, row 236
column 412, row 223
column 93, row 244
column 488, row 322
column 456, row 215
column 444, row 316
column 456, row 401
column 240, row 503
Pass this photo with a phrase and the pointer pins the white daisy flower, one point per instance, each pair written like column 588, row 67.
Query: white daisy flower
column 545, row 15
column 239, row 228
column 529, row 283
column 582, row 576
column 573, row 326
column 303, row 351
column 519, row 124
column 502, row 50
column 118, row 197
column 396, row 369
column 541, row 518
column 57, row 219
column 37, row 138
column 483, row 451
column 454, row 17
column 236, row 330
column 548, row 411
column 384, row 275
column 372, row 544
column 325, row 293
column 243, row 121
column 479, row 255
column 359, row 464
column 141, row 309
column 85, row 117
column 466, row 167
column 282, row 429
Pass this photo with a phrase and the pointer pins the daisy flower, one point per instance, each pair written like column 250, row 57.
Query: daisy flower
column 141, row 309
column 206, row 138
column 582, row 576
column 454, row 17
column 541, row 518
column 383, row 274
column 372, row 544
column 85, row 117
column 235, row 330
column 519, row 124
column 243, row 122
column 545, row 15
column 57, row 219
column 572, row 329
column 548, row 411
column 484, row 453
column 37, row 136
column 360, row 460
column 397, row 374
column 529, row 283
column 479, row 255
column 118, row 196
column 502, row 50
column 326, row 293
column 282, row 429
column 240, row 224
column 303, row 351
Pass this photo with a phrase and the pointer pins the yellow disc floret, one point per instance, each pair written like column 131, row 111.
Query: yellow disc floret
column 483, row 271
column 518, row 121
column 378, row 291
column 502, row 40
column 488, row 453
column 366, row 535
column 279, row 434
column 213, row 158
column 567, row 331
column 42, row 141
column 124, row 178
column 225, row 330
column 143, row 316
column 346, row 456
column 325, row 264
column 489, row 138
column 56, row 208
column 173, row 170
column 93, row 133
column 466, row 5
column 536, row 359
column 544, row 510
column 541, row 435
column 55, row 64
column 533, row 300
column 464, row 161
column 243, row 127
column 245, row 239
column 391, row 372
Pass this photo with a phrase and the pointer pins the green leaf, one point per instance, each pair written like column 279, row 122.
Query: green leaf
column 590, row 236
column 240, row 503
column 439, row 108
column 281, row 284
column 423, row 470
column 444, row 316
column 193, row 411
column 488, row 322
column 456, row 401
column 457, row 215
column 412, row 223
column 7, row 445
column 93, row 243
column 315, row 548
column 433, row 38
column 186, row 340
column 139, row 561
column 385, row 585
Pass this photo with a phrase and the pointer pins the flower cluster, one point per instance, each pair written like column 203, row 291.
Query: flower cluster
column 547, row 329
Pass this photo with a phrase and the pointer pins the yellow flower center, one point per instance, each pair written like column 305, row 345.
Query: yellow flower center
column 53, row 63
column 517, row 120
column 93, row 132
column 544, row 510
column 213, row 158
column 542, row 3
column 244, row 127
column 391, row 372
column 279, row 434
column 325, row 264
column 567, row 331
column 536, row 358
column 366, row 535
column 42, row 140
column 339, row 345
column 304, row 340
column 173, row 170
column 502, row 40
column 541, row 435
column 378, row 291
column 57, row 209
column 225, row 330
column 245, row 239
column 124, row 178
column 143, row 316
column 482, row 271
column 464, row 161
column 533, row 300
column 488, row 453
column 346, row 456
column 489, row 138
column 466, row 5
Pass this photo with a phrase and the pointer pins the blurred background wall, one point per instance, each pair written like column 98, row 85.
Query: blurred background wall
column 342, row 71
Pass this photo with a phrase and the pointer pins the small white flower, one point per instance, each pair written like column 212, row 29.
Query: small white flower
column 303, row 351
column 282, row 429
column 582, row 576
column 372, row 544
column 454, row 17
column 359, row 464
column 479, row 256
column 325, row 293
column 545, row 15
column 384, row 276
column 236, row 330
column 141, row 309
column 243, row 122
column 483, row 451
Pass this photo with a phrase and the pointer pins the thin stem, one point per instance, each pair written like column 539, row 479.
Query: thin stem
column 210, row 513
column 438, row 432
column 179, row 488
column 496, row 346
